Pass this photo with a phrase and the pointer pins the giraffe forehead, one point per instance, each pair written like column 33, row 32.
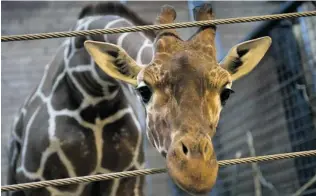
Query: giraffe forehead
column 184, row 69
column 179, row 60
column 170, row 44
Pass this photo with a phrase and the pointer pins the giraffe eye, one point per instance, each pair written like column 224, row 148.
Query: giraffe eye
column 144, row 91
column 225, row 95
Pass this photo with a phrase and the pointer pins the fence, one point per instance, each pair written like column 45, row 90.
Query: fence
column 275, row 113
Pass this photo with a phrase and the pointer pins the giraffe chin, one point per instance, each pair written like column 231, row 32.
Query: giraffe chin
column 195, row 176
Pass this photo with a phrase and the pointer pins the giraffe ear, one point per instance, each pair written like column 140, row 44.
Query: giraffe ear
column 113, row 60
column 244, row 57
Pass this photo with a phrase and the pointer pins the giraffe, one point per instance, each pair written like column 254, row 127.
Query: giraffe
column 183, row 90
column 81, row 113
column 79, row 121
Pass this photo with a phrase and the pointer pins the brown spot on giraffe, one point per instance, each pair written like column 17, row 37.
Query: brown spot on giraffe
column 184, row 90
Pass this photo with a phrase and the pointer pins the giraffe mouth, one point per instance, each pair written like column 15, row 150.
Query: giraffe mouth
column 194, row 184
column 192, row 164
column 191, row 190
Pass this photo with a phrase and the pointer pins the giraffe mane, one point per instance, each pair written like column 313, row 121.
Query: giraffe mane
column 116, row 8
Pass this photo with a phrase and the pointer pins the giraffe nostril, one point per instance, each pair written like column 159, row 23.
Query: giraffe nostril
column 184, row 149
column 205, row 149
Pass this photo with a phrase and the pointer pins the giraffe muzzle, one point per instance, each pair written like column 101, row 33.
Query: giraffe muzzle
column 192, row 164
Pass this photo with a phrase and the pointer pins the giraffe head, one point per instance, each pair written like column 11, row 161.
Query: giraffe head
column 184, row 90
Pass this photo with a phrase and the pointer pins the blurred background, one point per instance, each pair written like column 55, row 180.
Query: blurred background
column 272, row 111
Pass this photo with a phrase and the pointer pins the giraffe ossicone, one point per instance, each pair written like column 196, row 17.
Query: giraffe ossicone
column 185, row 89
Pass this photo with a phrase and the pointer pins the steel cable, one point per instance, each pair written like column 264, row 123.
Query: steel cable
column 110, row 176
column 37, row 36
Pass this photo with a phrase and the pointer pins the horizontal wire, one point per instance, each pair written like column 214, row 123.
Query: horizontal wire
column 134, row 173
column 37, row 36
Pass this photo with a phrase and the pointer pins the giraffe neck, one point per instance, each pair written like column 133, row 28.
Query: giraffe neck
column 77, row 99
column 86, row 76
